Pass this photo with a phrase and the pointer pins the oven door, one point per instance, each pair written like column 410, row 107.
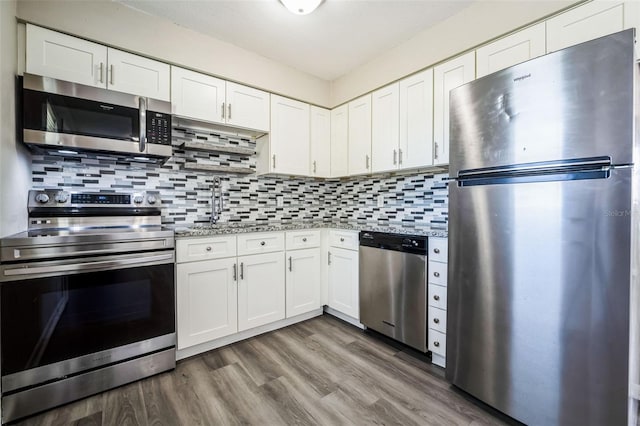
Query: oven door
column 60, row 318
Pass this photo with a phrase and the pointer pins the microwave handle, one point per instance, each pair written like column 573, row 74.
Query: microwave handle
column 143, row 124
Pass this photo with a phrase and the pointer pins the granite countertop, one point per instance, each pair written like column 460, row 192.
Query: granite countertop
column 204, row 230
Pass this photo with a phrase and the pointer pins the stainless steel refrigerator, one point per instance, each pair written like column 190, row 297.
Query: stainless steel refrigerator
column 543, row 236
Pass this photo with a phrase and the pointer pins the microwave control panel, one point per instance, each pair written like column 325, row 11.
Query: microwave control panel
column 158, row 128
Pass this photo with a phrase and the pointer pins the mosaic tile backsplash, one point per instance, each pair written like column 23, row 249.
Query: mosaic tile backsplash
column 186, row 195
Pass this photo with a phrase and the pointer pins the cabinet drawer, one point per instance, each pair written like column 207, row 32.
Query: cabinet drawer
column 191, row 250
column 344, row 239
column 438, row 273
column 309, row 238
column 266, row 242
column 437, row 296
column 438, row 342
column 438, row 249
column 438, row 319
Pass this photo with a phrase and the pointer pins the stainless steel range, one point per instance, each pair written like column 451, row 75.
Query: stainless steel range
column 87, row 297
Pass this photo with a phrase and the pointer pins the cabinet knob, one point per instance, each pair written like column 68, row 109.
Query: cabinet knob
column 436, row 320
column 209, row 248
column 436, row 274
column 262, row 243
column 436, row 250
column 342, row 239
column 436, row 297
column 304, row 240
column 436, row 344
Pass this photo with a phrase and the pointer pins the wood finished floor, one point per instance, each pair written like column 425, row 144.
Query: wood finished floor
column 319, row 372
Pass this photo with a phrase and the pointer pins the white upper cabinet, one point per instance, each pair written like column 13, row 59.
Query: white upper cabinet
column 320, row 141
column 340, row 141
column 138, row 75
column 247, row 107
column 60, row 56
column 447, row 76
column 197, row 95
column 289, row 138
column 63, row 57
column 202, row 97
column 591, row 20
column 511, row 50
column 416, row 121
column 385, row 128
column 360, row 135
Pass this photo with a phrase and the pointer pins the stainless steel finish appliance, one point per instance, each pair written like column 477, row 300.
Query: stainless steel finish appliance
column 540, row 235
column 393, row 286
column 87, row 298
column 66, row 118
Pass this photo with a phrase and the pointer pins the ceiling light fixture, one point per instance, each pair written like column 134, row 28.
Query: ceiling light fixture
column 301, row 7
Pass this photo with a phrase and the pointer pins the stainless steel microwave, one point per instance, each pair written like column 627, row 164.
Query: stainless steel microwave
column 66, row 118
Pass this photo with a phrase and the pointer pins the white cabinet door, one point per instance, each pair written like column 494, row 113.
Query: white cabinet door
column 261, row 290
column 447, row 76
column 303, row 281
column 583, row 23
column 196, row 95
column 511, row 50
column 206, row 301
column 247, row 107
column 416, row 121
column 360, row 135
column 289, row 136
column 320, row 142
column 385, row 128
column 60, row 56
column 343, row 281
column 137, row 75
column 340, row 141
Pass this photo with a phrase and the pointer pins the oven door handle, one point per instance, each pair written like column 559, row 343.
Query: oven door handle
column 87, row 266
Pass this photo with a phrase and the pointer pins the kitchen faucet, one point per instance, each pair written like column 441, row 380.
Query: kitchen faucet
column 216, row 200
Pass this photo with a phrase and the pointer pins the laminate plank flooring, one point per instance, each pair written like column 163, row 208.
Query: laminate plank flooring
column 319, row 372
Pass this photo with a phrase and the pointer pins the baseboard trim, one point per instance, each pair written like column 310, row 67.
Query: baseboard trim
column 343, row 317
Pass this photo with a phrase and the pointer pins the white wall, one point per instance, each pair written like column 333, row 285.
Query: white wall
column 15, row 161
column 116, row 25
column 480, row 22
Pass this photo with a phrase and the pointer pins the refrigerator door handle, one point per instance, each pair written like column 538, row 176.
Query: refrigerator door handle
column 546, row 166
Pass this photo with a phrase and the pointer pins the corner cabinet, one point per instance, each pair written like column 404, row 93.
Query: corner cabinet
column 359, row 156
column 63, row 57
column 447, row 76
column 320, row 142
column 340, row 141
column 286, row 149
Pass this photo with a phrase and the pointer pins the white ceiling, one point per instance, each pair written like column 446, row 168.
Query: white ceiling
column 338, row 37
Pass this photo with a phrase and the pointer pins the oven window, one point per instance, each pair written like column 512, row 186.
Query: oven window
column 63, row 114
column 47, row 320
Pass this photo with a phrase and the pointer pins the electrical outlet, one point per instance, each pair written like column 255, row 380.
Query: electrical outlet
column 380, row 200
column 279, row 201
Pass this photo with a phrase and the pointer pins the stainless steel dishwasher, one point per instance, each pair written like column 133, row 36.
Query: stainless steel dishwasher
column 393, row 286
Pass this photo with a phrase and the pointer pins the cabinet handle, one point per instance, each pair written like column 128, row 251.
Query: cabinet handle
column 242, row 270
column 436, row 150
column 436, row 320
column 235, row 272
column 436, row 274
column 101, row 72
column 436, row 250
column 436, row 344
column 436, row 297
column 304, row 240
column 342, row 239
column 223, row 110
column 367, row 161
column 111, row 74
column 400, row 156
column 209, row 248
column 274, row 161
column 329, row 259
column 395, row 153
column 262, row 243
column 290, row 265
column 229, row 115
column 314, row 167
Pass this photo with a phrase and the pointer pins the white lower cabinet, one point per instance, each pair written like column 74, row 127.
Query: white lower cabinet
column 437, row 322
column 344, row 281
column 207, row 301
column 303, row 281
column 261, row 290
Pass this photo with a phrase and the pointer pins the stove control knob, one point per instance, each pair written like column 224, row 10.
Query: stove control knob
column 151, row 199
column 138, row 199
column 42, row 198
column 61, row 197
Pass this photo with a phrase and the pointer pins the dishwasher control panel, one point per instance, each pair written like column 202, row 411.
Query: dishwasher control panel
column 416, row 244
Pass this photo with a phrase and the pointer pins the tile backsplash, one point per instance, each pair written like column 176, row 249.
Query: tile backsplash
column 186, row 195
